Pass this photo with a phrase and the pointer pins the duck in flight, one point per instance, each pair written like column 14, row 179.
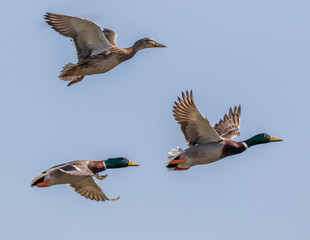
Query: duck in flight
column 96, row 48
column 205, row 143
column 79, row 175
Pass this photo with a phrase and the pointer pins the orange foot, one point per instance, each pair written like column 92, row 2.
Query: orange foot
column 75, row 81
column 178, row 161
column 180, row 169
column 75, row 71
column 44, row 184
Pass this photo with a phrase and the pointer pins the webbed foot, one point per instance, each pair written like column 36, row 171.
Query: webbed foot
column 75, row 81
column 100, row 177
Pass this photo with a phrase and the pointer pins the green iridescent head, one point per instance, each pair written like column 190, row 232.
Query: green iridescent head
column 118, row 162
column 261, row 138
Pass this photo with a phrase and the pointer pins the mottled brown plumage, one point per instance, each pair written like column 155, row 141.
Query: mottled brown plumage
column 96, row 49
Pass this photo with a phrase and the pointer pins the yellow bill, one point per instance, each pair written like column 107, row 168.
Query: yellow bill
column 273, row 139
column 133, row 164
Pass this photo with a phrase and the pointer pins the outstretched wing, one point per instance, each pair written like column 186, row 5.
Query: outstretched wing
column 87, row 36
column 229, row 126
column 89, row 189
column 195, row 128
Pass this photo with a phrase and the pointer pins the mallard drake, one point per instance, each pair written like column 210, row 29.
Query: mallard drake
column 205, row 143
column 96, row 49
column 79, row 175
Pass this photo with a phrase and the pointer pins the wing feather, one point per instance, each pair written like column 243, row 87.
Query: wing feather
column 195, row 128
column 230, row 125
column 88, row 188
column 110, row 35
column 87, row 36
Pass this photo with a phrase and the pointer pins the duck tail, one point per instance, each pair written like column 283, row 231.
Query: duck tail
column 38, row 179
column 175, row 157
column 70, row 72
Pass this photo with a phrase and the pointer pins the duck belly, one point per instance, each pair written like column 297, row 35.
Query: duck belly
column 202, row 154
column 95, row 67
column 59, row 177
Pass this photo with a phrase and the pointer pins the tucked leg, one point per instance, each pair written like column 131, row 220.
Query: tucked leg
column 178, row 161
column 100, row 177
column 75, row 81
column 180, row 169
column 71, row 73
column 44, row 184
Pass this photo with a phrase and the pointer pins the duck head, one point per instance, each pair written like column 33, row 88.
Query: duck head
column 118, row 162
column 146, row 43
column 261, row 138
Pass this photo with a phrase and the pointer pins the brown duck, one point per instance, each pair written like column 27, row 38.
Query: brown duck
column 96, row 48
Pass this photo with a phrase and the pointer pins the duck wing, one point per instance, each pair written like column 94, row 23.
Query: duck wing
column 196, row 129
column 110, row 35
column 87, row 36
column 88, row 188
column 229, row 126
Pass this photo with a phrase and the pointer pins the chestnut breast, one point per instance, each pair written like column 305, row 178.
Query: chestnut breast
column 232, row 148
column 96, row 166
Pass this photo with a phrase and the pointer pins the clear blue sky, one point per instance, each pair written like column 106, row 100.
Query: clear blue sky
column 253, row 53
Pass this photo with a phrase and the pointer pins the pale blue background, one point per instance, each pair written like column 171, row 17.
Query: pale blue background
column 253, row 53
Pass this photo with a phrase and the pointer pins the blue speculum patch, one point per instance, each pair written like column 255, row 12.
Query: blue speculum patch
column 68, row 168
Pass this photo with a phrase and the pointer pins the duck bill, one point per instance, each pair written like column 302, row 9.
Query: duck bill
column 159, row 45
column 273, row 139
column 133, row 164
